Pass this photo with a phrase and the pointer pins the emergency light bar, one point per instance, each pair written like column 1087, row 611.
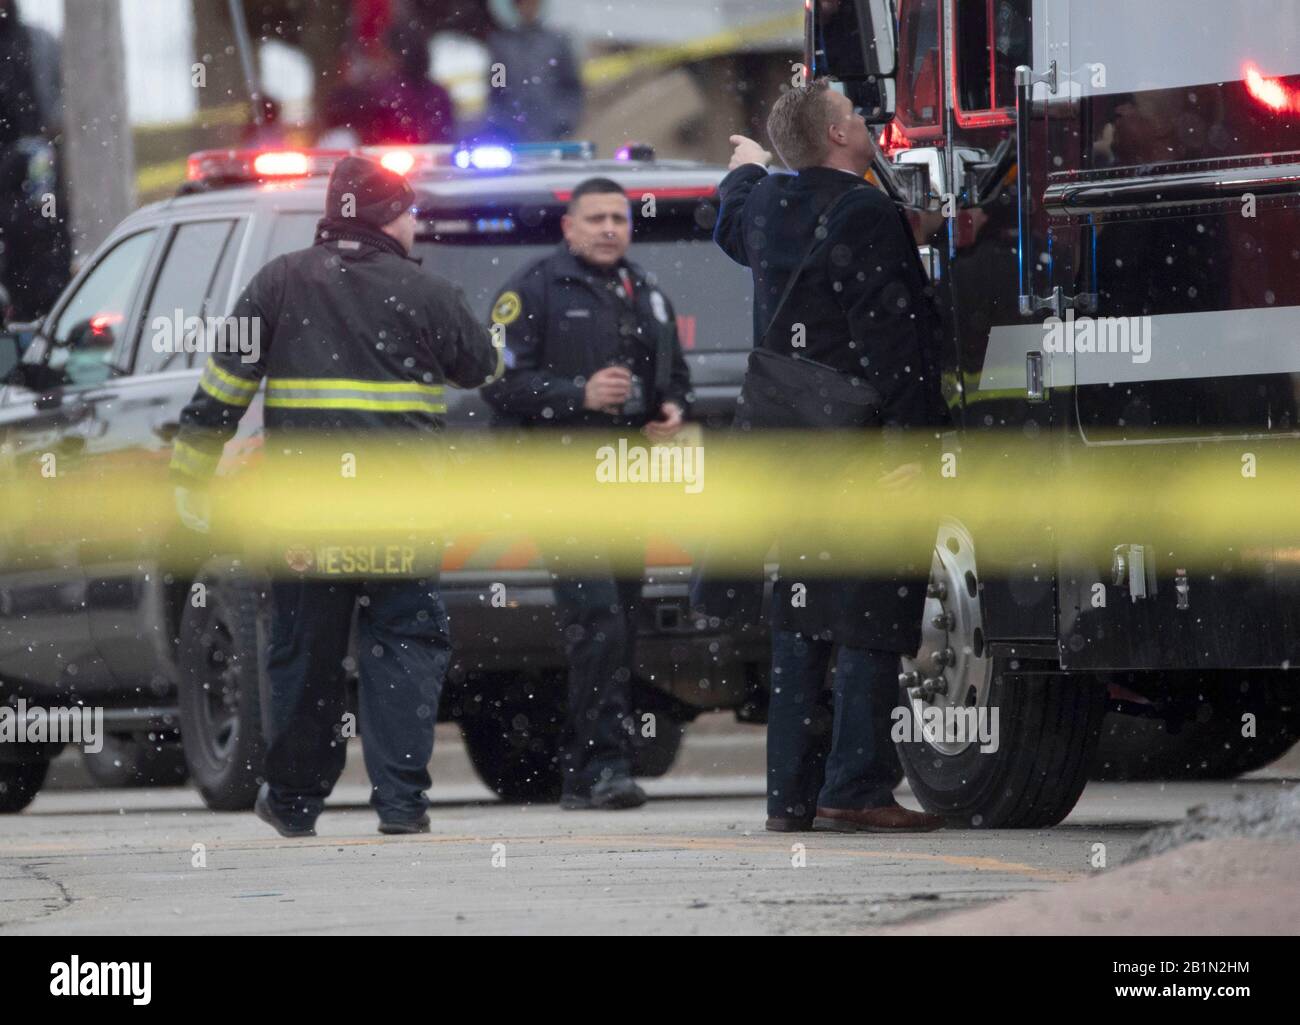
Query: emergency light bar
column 667, row 192
column 229, row 166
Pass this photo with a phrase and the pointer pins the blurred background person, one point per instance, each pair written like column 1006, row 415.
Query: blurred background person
column 387, row 98
column 541, row 97
column 350, row 112
column 34, row 256
column 269, row 133
column 415, row 109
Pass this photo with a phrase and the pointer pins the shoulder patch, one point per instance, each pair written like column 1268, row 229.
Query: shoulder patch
column 507, row 309
column 658, row 306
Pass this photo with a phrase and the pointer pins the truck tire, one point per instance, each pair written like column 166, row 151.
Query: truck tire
column 222, row 682
column 1209, row 744
column 1043, row 727
column 512, row 727
column 652, row 757
column 19, row 784
column 665, row 717
column 137, row 760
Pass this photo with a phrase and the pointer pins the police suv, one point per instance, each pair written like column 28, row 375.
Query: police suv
column 106, row 624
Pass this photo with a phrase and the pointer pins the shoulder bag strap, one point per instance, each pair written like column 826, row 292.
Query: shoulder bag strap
column 803, row 265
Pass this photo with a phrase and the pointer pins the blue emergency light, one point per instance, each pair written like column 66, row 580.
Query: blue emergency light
column 499, row 156
column 484, row 158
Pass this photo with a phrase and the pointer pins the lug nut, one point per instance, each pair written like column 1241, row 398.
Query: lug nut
column 938, row 590
column 909, row 679
column 934, row 685
column 944, row 621
column 943, row 658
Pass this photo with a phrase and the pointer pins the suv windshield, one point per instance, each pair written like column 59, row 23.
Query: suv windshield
column 710, row 294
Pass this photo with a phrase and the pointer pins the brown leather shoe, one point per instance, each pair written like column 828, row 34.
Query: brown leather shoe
column 779, row 825
column 893, row 818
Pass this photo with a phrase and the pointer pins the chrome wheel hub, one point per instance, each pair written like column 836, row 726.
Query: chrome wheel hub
column 952, row 670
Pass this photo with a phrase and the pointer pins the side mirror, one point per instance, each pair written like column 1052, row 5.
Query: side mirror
column 928, row 161
column 874, row 97
column 854, row 41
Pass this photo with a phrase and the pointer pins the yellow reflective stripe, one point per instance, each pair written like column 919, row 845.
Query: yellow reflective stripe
column 219, row 393
column 226, row 387
column 349, row 402
column 229, row 380
column 340, row 384
column 195, row 462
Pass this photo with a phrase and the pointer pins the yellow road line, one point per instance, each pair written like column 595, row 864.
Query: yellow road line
column 631, row 843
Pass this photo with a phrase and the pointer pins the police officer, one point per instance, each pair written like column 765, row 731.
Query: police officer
column 591, row 342
column 357, row 341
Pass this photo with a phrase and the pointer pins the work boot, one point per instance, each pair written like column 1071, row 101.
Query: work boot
column 777, row 824
column 396, row 827
column 892, row 818
column 262, row 808
column 607, row 795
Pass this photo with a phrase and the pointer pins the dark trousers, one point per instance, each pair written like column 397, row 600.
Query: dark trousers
column 598, row 614
column 403, row 648
column 829, row 754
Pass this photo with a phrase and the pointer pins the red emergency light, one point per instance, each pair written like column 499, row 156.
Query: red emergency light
column 1271, row 92
column 234, row 165
column 251, row 165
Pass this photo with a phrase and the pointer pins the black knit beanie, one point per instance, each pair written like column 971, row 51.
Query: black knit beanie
column 378, row 196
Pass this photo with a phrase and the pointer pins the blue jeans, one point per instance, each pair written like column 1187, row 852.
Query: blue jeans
column 824, row 753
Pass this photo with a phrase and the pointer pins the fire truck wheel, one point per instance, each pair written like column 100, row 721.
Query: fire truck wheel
column 222, row 683
column 512, row 727
column 988, row 742
column 137, row 760
column 19, row 784
column 1033, row 768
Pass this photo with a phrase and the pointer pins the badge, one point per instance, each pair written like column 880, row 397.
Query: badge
column 658, row 306
column 507, row 309
column 299, row 558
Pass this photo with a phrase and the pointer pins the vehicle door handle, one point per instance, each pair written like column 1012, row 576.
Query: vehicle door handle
column 1034, row 376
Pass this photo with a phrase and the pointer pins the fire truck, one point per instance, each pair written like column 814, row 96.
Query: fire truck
column 1116, row 162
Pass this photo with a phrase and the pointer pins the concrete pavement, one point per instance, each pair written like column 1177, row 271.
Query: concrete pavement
column 695, row 860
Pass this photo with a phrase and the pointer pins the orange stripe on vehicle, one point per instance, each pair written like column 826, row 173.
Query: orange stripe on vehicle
column 520, row 555
column 460, row 551
column 662, row 551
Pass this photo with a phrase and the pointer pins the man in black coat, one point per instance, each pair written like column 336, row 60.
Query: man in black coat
column 863, row 307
